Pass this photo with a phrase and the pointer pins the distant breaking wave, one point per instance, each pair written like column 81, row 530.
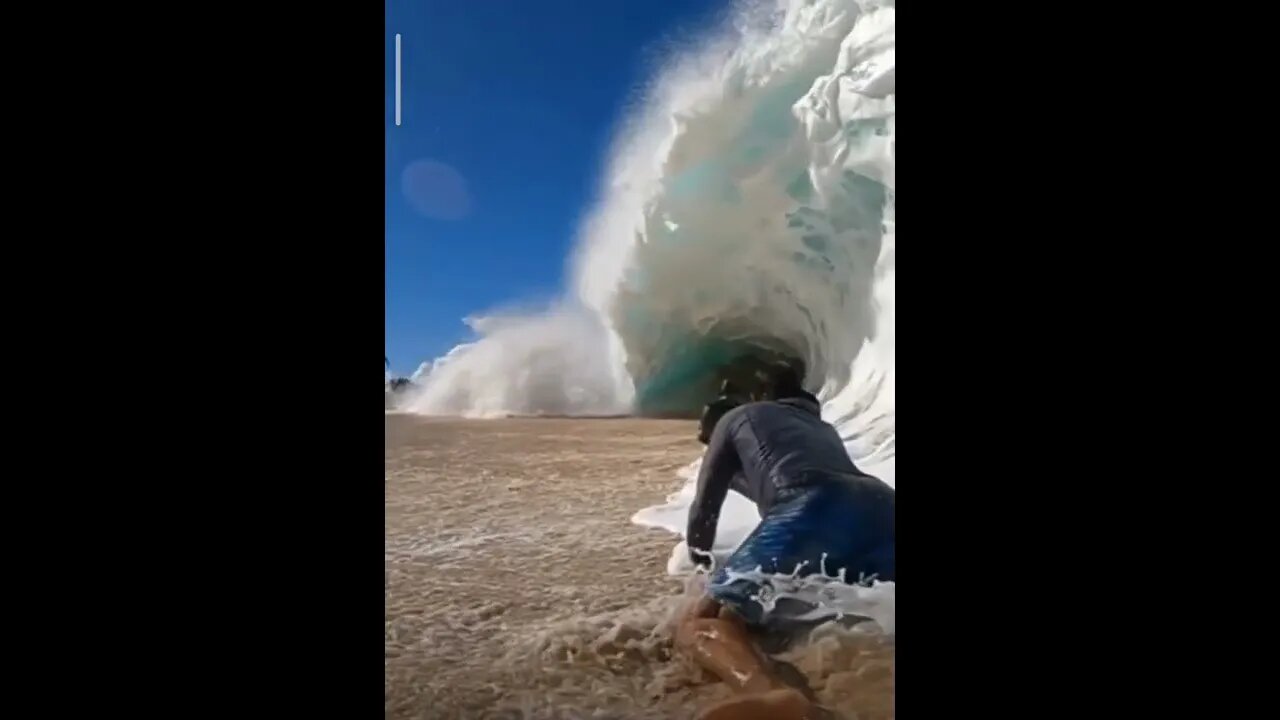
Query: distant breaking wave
column 541, row 363
column 749, row 206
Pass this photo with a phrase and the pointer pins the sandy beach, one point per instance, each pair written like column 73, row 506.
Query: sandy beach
column 516, row 586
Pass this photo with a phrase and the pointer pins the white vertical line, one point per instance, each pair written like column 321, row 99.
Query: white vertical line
column 397, row 79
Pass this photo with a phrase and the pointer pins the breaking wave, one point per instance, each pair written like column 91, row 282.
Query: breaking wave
column 748, row 209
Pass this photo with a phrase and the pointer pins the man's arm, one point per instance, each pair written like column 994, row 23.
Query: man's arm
column 718, row 466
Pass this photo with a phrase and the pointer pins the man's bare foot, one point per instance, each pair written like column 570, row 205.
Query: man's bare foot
column 783, row 704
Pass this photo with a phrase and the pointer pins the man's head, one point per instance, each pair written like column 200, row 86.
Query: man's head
column 787, row 383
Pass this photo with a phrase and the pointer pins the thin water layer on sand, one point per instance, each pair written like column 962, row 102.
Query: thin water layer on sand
column 516, row 587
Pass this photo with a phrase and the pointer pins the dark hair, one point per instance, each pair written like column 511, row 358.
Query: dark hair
column 787, row 383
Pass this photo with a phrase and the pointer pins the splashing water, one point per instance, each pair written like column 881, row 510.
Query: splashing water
column 749, row 207
column 823, row 597
column 624, row 662
column 525, row 364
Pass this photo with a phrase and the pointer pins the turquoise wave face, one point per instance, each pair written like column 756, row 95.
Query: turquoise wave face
column 691, row 375
column 686, row 380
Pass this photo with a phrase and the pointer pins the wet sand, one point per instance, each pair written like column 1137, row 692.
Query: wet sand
column 516, row 585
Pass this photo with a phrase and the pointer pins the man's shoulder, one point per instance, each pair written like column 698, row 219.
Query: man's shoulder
column 759, row 409
column 767, row 414
column 738, row 415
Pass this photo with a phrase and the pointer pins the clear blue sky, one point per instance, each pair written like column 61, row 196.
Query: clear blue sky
column 519, row 99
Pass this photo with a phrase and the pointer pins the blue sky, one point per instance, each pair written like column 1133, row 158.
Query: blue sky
column 508, row 107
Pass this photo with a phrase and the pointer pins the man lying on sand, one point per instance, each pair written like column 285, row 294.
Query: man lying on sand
column 812, row 501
